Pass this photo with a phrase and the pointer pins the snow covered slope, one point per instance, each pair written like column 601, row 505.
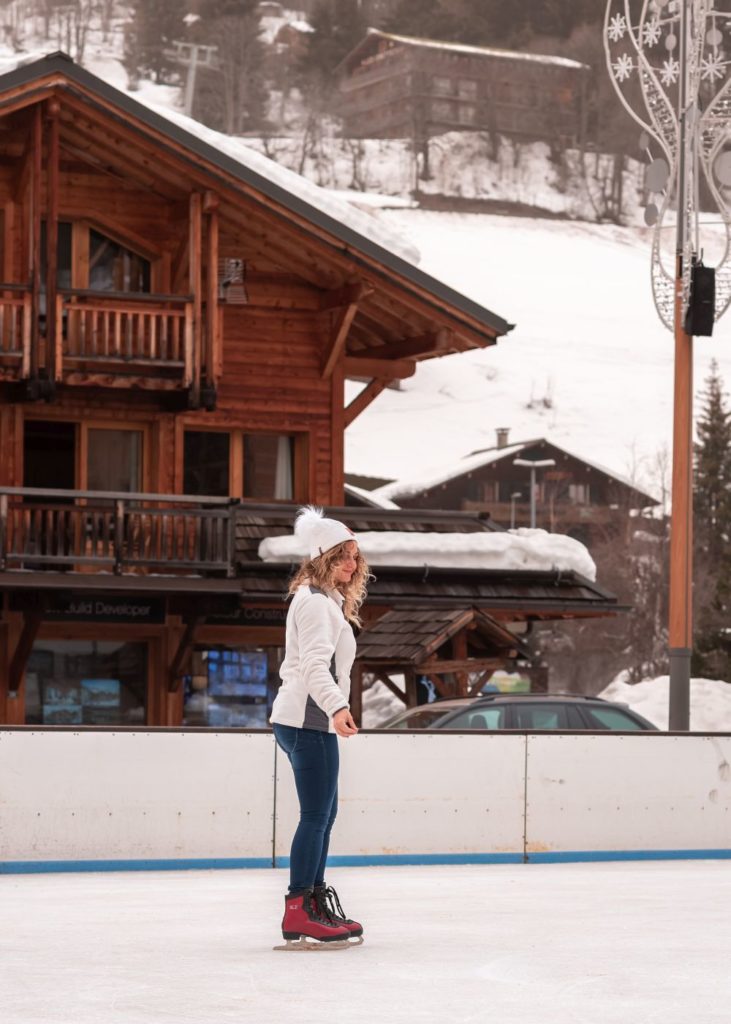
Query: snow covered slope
column 589, row 364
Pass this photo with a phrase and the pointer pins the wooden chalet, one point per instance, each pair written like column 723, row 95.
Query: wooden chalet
column 177, row 318
column 574, row 496
column 395, row 86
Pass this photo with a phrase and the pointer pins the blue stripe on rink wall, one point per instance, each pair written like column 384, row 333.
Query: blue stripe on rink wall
column 27, row 867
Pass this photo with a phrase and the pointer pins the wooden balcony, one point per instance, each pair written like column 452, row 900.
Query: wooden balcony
column 119, row 533
column 15, row 330
column 125, row 339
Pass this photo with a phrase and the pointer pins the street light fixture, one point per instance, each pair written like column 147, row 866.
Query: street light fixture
column 533, row 465
column 513, row 498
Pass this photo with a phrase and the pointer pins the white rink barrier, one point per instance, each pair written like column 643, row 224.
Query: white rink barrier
column 164, row 799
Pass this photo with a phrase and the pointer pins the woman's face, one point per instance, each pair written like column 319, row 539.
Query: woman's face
column 347, row 565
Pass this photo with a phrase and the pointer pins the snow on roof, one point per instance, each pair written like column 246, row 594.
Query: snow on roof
column 512, row 550
column 485, row 51
column 407, row 488
column 357, row 220
column 369, row 497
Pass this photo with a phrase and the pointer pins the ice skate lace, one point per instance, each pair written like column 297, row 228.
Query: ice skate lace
column 333, row 904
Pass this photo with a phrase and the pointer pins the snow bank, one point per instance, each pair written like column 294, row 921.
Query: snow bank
column 710, row 701
column 514, row 549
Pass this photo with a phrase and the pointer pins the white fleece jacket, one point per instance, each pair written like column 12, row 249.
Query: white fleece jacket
column 319, row 654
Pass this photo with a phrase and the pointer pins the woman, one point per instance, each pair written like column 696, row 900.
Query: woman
column 311, row 710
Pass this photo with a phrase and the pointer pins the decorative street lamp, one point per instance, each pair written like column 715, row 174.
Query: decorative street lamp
column 533, row 465
column 669, row 61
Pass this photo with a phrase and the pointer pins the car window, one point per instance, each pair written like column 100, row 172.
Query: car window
column 610, row 718
column 573, row 717
column 539, row 716
column 422, row 718
column 478, row 718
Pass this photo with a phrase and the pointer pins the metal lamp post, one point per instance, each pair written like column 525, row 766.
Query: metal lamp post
column 534, row 465
column 513, row 498
column 669, row 63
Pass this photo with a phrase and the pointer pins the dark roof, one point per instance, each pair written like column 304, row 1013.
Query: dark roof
column 412, row 634
column 350, row 239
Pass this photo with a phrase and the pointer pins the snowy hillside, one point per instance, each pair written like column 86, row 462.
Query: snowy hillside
column 588, row 365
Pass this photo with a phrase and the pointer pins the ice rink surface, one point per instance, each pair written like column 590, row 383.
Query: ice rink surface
column 606, row 943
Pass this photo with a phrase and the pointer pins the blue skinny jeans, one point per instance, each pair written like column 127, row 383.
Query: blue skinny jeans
column 315, row 761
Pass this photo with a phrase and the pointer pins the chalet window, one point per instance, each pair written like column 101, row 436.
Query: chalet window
column 86, row 682
column 579, row 494
column 467, row 113
column 442, row 86
column 206, row 460
column 441, row 111
column 268, row 467
column 114, row 268
column 258, row 466
column 114, row 460
column 467, row 89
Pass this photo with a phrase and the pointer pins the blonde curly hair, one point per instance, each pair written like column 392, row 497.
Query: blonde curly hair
column 320, row 572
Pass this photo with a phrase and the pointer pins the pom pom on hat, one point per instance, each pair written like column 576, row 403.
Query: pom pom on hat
column 318, row 533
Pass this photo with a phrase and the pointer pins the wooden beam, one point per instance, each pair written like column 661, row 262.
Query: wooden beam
column 363, row 400
column 35, row 236
column 185, row 648
column 480, row 682
column 213, row 358
column 434, row 343
column 53, row 352
column 31, row 624
column 348, row 295
column 338, row 338
column 364, row 367
column 440, row 668
column 391, row 685
column 194, row 287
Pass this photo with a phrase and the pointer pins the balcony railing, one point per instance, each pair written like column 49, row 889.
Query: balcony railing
column 121, row 533
column 15, row 325
column 146, row 335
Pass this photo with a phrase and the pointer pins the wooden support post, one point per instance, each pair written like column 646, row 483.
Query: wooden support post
column 35, row 236
column 53, row 363
column 337, row 441
column 459, row 653
column 391, row 685
column 338, row 337
column 411, row 693
column 31, row 624
column 363, row 400
column 185, row 648
column 213, row 354
column 194, row 287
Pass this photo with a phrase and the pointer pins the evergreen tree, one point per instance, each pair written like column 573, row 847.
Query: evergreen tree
column 338, row 26
column 712, row 532
column 150, row 32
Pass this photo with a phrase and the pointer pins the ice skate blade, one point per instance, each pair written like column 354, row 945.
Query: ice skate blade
column 303, row 945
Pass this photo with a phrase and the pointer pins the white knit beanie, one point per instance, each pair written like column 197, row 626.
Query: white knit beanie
column 318, row 533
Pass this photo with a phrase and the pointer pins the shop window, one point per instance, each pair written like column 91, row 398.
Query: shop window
column 232, row 687
column 86, row 682
column 114, row 268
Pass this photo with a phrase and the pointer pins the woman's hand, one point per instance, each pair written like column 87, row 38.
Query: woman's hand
column 343, row 723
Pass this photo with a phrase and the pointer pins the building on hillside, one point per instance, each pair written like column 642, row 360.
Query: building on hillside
column 573, row 496
column 177, row 319
column 396, row 86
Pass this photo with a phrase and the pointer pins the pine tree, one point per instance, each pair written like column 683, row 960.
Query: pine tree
column 153, row 27
column 337, row 28
column 712, row 531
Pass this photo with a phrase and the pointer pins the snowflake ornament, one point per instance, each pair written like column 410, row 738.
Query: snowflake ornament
column 617, row 27
column 623, row 68
column 651, row 32
column 670, row 71
column 712, row 68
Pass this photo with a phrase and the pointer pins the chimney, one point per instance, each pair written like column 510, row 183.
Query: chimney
column 502, row 436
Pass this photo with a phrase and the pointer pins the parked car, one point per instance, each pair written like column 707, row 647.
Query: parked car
column 529, row 711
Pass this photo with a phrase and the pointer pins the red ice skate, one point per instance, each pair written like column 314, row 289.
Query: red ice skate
column 305, row 927
column 329, row 906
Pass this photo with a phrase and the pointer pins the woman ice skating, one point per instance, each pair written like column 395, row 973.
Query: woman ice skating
column 310, row 712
